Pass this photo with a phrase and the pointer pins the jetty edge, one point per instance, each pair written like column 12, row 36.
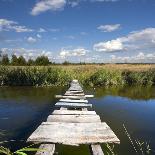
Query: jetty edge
column 73, row 123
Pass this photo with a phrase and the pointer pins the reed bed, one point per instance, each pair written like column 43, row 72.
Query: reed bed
column 90, row 75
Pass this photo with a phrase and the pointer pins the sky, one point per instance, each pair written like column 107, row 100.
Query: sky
column 100, row 31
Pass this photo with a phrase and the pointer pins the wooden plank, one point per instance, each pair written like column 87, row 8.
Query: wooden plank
column 73, row 101
column 73, row 112
column 74, row 118
column 73, row 133
column 72, row 105
column 46, row 149
column 74, row 92
column 96, row 150
column 70, row 97
column 73, row 96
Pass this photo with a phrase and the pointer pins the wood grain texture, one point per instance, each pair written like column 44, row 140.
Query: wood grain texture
column 96, row 150
column 74, row 133
column 73, row 112
column 46, row 149
column 74, row 118
column 73, row 101
column 70, row 97
column 72, row 105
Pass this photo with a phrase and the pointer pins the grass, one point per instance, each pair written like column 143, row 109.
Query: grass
column 92, row 75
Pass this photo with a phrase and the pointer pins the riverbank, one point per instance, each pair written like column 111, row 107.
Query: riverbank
column 90, row 75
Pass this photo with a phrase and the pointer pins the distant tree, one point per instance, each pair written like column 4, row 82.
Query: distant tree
column 5, row 60
column 66, row 63
column 30, row 62
column 14, row 60
column 42, row 61
column 21, row 61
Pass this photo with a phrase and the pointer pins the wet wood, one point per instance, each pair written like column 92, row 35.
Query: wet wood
column 75, row 91
column 73, row 127
column 73, row 101
column 74, row 118
column 74, row 133
column 96, row 150
column 46, row 149
column 70, row 97
column 73, row 105
column 73, row 112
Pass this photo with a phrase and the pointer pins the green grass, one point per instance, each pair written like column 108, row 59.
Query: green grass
column 87, row 75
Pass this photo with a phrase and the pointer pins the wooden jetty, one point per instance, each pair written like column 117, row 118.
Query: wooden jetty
column 73, row 124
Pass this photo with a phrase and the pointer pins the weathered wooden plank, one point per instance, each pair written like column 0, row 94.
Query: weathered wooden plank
column 74, row 92
column 70, row 97
column 72, row 105
column 73, row 101
column 74, row 96
column 74, row 133
column 73, row 112
column 46, row 149
column 96, row 150
column 74, row 118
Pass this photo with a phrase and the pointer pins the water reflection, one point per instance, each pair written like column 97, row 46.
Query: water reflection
column 22, row 109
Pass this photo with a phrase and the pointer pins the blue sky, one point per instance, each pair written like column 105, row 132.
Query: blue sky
column 79, row 30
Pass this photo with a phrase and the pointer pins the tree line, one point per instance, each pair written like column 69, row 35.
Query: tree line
column 21, row 61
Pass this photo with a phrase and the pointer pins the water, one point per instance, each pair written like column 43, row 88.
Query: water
column 22, row 109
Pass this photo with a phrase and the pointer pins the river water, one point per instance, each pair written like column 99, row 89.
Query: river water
column 22, row 109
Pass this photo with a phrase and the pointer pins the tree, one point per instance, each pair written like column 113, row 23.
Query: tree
column 14, row 60
column 5, row 60
column 42, row 61
column 21, row 61
column 0, row 56
column 30, row 62
column 66, row 63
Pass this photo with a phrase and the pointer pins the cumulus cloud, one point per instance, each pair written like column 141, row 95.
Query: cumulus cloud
column 39, row 36
column 31, row 40
column 42, row 30
column 8, row 25
column 45, row 5
column 109, row 46
column 135, row 41
column 74, row 52
column 139, row 58
column 109, row 28
column 27, row 53
column 54, row 30
column 55, row 5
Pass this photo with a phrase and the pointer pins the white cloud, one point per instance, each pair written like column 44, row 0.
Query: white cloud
column 39, row 36
column 8, row 25
column 42, row 30
column 109, row 28
column 109, row 46
column 74, row 52
column 27, row 53
column 54, row 30
column 135, row 41
column 45, row 5
column 139, row 58
column 54, row 5
column 31, row 40
column 73, row 3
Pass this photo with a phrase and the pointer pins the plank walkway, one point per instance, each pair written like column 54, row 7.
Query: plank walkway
column 73, row 124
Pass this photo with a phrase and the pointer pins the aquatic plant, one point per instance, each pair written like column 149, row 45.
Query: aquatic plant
column 22, row 151
column 62, row 75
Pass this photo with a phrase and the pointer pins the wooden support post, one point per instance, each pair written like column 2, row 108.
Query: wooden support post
column 46, row 149
column 96, row 150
